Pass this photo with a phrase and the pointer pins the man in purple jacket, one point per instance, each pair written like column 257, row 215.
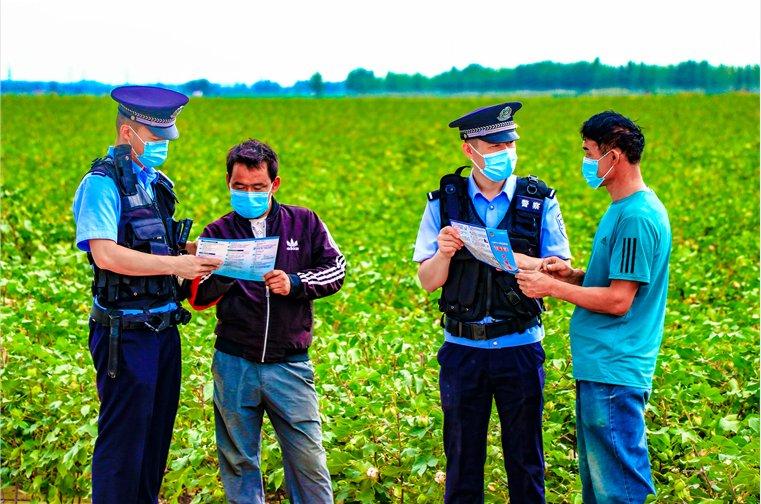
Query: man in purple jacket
column 264, row 330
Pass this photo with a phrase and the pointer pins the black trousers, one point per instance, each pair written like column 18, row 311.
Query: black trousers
column 469, row 379
column 137, row 411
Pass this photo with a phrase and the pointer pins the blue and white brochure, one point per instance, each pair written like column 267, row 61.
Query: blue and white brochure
column 243, row 259
column 489, row 245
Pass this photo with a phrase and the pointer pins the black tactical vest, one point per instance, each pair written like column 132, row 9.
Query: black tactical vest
column 474, row 289
column 145, row 225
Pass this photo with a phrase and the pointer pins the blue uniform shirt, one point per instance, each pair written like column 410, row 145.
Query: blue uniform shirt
column 633, row 242
column 554, row 242
column 97, row 208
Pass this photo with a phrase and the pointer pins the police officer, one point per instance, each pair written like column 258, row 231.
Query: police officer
column 123, row 210
column 492, row 331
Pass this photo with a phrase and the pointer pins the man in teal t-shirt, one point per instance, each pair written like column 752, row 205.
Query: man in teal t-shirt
column 617, row 327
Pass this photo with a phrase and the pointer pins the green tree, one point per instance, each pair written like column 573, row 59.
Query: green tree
column 363, row 81
column 202, row 86
column 316, row 84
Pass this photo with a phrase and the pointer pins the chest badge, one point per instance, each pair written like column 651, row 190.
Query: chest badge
column 532, row 205
column 292, row 245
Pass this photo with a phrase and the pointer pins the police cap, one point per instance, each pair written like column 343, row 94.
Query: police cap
column 152, row 106
column 493, row 124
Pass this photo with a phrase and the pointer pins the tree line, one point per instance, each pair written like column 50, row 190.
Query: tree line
column 546, row 76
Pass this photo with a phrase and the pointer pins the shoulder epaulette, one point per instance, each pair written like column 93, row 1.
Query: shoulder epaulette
column 537, row 187
column 164, row 176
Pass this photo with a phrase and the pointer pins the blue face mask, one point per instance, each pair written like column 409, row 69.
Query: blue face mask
column 249, row 204
column 498, row 165
column 589, row 169
column 154, row 153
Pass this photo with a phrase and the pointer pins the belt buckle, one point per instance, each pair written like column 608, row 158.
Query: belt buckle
column 160, row 325
column 478, row 331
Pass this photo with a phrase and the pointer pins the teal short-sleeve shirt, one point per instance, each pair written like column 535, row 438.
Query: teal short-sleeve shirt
column 633, row 242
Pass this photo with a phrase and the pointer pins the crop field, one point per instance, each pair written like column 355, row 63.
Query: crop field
column 365, row 165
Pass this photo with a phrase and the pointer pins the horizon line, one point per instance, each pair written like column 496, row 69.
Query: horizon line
column 9, row 73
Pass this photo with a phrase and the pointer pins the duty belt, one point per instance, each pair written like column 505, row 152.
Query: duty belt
column 153, row 321
column 117, row 321
column 487, row 331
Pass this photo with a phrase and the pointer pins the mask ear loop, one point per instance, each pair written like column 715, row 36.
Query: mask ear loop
column 482, row 157
column 138, row 137
column 473, row 160
column 135, row 132
column 269, row 198
column 607, row 172
column 476, row 164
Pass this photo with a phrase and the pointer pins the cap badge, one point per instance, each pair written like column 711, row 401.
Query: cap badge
column 505, row 114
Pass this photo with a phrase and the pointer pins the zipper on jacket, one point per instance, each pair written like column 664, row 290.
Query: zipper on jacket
column 266, row 322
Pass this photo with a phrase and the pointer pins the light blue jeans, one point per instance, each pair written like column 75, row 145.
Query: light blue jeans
column 610, row 432
column 243, row 391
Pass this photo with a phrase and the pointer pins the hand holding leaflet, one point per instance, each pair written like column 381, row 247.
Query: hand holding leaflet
column 489, row 245
column 243, row 259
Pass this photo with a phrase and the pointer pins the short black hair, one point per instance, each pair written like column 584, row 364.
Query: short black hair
column 613, row 130
column 253, row 153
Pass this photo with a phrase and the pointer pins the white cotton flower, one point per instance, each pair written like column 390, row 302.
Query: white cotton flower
column 372, row 473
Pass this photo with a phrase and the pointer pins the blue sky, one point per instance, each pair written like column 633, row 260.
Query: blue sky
column 143, row 41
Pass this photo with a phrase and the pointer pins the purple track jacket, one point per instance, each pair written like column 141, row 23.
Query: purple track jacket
column 272, row 328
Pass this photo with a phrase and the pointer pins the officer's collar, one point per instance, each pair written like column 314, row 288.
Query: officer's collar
column 508, row 188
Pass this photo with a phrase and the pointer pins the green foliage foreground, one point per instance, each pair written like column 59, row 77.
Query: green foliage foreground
column 364, row 165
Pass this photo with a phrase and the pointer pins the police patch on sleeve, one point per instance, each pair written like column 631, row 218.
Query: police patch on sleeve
column 561, row 225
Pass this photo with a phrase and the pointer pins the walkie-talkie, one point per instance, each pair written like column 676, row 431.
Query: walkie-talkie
column 183, row 232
